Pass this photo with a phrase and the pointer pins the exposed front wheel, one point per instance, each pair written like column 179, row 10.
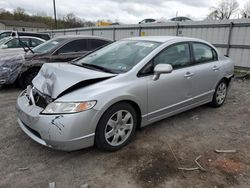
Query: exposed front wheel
column 220, row 94
column 116, row 127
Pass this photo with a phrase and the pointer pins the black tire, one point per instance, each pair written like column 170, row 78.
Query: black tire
column 216, row 102
column 100, row 140
column 27, row 77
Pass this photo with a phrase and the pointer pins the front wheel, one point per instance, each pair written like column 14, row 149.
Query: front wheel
column 116, row 127
column 220, row 94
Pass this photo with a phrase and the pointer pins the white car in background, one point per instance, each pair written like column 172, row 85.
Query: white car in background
column 17, row 44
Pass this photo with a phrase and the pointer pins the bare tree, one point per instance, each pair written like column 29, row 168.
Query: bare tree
column 245, row 12
column 225, row 10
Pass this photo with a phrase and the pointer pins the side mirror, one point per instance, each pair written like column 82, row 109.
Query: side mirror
column 4, row 46
column 162, row 69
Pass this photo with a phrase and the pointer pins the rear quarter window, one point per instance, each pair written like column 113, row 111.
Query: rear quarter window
column 74, row 46
column 95, row 43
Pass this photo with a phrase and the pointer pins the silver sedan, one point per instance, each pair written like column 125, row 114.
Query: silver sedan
column 104, row 97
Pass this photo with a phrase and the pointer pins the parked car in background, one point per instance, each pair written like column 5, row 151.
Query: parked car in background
column 105, row 96
column 18, row 44
column 9, row 33
column 59, row 49
column 180, row 19
column 150, row 20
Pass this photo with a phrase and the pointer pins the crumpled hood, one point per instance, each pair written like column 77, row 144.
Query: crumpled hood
column 55, row 78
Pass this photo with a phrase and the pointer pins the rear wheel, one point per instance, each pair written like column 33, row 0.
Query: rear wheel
column 116, row 127
column 220, row 94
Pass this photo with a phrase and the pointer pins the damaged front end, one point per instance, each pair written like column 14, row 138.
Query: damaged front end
column 57, row 79
column 10, row 67
column 37, row 98
column 59, row 131
column 63, row 125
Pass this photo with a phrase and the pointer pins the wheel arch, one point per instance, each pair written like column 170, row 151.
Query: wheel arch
column 226, row 79
column 134, row 104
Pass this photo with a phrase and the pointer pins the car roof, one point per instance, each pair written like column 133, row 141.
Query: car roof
column 162, row 39
column 10, row 37
column 30, row 37
column 82, row 37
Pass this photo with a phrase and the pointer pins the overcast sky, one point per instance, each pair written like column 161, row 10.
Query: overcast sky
column 125, row 11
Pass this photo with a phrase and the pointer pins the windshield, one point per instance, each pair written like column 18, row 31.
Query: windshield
column 3, row 40
column 5, row 34
column 49, row 45
column 120, row 56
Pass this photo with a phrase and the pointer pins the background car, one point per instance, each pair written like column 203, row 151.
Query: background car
column 104, row 97
column 151, row 20
column 180, row 19
column 18, row 44
column 10, row 33
column 59, row 49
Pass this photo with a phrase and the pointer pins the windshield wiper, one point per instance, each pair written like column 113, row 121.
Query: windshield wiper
column 24, row 45
column 96, row 67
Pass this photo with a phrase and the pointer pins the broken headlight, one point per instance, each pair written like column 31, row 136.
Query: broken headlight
column 68, row 107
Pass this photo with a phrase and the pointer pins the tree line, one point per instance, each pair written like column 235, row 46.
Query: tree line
column 67, row 21
column 227, row 9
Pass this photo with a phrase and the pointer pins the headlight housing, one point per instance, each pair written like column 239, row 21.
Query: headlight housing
column 68, row 107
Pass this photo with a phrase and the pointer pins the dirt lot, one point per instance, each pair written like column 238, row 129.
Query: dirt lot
column 147, row 161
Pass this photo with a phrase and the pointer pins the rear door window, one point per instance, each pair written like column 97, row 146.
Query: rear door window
column 24, row 42
column 203, row 53
column 74, row 46
column 35, row 42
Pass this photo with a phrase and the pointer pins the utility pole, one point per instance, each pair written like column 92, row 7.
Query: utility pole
column 54, row 3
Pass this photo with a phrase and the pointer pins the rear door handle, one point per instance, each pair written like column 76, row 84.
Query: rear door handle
column 215, row 68
column 188, row 75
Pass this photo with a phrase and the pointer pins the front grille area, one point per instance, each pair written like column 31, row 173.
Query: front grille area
column 40, row 99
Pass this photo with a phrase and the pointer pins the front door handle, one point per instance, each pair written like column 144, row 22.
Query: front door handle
column 215, row 68
column 188, row 75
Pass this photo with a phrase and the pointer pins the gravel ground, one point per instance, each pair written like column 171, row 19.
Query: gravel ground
column 148, row 161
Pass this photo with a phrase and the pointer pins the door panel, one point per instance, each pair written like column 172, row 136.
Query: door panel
column 170, row 93
column 206, row 72
column 204, row 80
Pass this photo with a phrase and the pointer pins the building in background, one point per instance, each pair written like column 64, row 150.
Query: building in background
column 22, row 26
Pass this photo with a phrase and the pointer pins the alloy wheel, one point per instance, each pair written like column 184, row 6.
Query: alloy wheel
column 119, row 127
column 221, row 93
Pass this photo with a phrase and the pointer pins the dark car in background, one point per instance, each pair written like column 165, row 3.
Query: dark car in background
column 180, row 19
column 59, row 49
